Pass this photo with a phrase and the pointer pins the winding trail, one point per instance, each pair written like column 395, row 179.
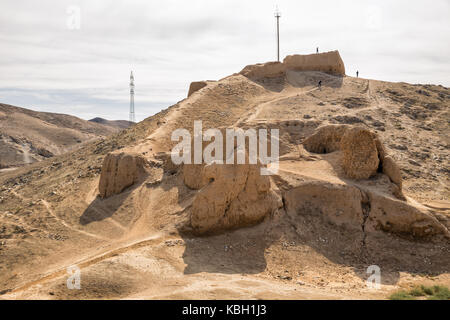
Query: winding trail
column 88, row 261
column 50, row 211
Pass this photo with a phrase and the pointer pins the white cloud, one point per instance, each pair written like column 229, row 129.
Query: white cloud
column 171, row 43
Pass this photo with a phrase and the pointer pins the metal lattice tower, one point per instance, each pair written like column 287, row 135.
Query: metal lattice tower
column 132, row 116
column 278, row 15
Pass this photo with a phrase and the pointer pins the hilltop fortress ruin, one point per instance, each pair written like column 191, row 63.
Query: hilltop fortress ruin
column 330, row 160
column 327, row 62
column 362, row 180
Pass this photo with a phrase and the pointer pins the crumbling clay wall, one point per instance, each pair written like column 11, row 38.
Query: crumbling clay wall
column 360, row 158
column 230, row 196
column 328, row 62
column 119, row 171
column 264, row 70
column 195, row 86
column 363, row 154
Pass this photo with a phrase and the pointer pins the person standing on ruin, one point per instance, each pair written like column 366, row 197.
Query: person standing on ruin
column 320, row 84
column 357, row 73
column 317, row 49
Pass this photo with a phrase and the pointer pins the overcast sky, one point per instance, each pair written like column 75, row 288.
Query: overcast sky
column 52, row 61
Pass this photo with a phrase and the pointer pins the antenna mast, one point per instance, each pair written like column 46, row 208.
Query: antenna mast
column 278, row 15
column 132, row 116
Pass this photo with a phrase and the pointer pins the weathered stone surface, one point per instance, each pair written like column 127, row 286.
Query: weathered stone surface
column 356, row 208
column 119, row 171
column 328, row 62
column 193, row 176
column 391, row 169
column 264, row 70
column 359, row 154
column 195, row 86
column 235, row 196
column 338, row 204
column 402, row 217
column 229, row 195
column 326, row 139
column 363, row 154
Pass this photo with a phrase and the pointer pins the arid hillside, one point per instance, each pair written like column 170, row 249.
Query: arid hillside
column 28, row 136
column 363, row 180
column 120, row 124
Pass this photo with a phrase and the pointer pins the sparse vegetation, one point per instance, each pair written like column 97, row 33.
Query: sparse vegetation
column 430, row 293
column 51, row 213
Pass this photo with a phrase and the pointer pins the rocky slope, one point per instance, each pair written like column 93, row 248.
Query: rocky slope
column 28, row 136
column 363, row 180
column 119, row 124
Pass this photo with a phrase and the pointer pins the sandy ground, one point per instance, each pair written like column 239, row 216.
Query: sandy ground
column 129, row 246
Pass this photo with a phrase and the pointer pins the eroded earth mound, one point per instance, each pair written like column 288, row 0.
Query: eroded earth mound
column 362, row 180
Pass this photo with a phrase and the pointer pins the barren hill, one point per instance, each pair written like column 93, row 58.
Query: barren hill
column 27, row 136
column 120, row 124
column 363, row 180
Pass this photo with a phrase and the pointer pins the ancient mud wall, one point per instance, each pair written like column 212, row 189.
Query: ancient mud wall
column 329, row 62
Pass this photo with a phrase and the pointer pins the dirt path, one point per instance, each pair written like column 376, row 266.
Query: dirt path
column 87, row 261
column 252, row 114
column 135, row 235
column 65, row 224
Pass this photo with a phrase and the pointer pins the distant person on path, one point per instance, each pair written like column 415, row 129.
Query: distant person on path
column 320, row 84
column 357, row 74
column 317, row 50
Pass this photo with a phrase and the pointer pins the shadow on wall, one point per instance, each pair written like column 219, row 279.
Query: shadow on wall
column 313, row 238
column 300, row 79
column 100, row 209
column 310, row 239
column 95, row 212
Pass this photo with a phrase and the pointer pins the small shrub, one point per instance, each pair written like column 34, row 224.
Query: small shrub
column 432, row 293
column 401, row 295
column 417, row 292
column 440, row 293
column 427, row 290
